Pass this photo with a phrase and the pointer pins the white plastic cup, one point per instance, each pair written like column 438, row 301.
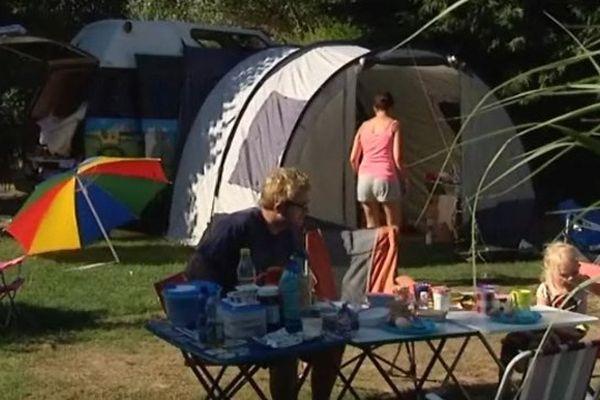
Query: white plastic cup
column 312, row 327
column 441, row 299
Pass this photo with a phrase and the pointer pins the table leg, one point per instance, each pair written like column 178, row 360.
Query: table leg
column 436, row 355
column 215, row 390
column 449, row 371
column 393, row 365
column 383, row 373
column 212, row 386
column 347, row 382
column 199, row 374
column 351, row 361
column 491, row 352
column 248, row 373
column 395, row 359
column 412, row 354
column 235, row 384
column 217, row 380
column 457, row 358
column 347, row 385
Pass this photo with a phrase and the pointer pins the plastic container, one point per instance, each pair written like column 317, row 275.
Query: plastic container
column 182, row 301
column 243, row 321
column 269, row 297
column 485, row 295
column 211, row 288
column 182, row 304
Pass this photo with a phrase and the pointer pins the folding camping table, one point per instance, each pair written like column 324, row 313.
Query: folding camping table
column 485, row 326
column 459, row 324
column 246, row 356
column 367, row 340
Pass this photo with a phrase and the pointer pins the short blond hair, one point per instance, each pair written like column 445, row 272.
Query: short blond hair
column 282, row 185
column 554, row 257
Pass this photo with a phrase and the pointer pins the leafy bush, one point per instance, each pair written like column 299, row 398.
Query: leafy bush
column 326, row 30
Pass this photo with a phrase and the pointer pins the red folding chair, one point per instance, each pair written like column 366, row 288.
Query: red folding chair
column 9, row 285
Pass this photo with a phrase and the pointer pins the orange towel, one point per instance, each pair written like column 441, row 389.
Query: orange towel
column 589, row 269
column 384, row 261
column 320, row 265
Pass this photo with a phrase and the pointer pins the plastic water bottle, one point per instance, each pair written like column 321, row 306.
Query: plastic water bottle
column 214, row 324
column 201, row 321
column 246, row 272
column 303, row 279
column 289, row 288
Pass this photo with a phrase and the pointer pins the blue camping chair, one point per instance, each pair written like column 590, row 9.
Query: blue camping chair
column 582, row 228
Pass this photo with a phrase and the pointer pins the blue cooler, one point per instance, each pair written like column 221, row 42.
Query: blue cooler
column 182, row 301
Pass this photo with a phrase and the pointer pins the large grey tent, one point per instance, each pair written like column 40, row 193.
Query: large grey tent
column 288, row 106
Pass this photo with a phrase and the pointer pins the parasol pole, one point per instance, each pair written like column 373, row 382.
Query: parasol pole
column 97, row 218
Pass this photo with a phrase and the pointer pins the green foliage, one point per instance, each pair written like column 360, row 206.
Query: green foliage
column 284, row 19
column 329, row 30
column 60, row 19
column 504, row 38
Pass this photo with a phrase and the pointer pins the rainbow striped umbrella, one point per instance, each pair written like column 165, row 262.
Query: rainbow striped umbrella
column 74, row 208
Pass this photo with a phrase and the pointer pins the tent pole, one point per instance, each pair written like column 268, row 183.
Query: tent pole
column 97, row 218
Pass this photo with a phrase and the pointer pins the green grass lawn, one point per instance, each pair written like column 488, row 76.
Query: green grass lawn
column 81, row 332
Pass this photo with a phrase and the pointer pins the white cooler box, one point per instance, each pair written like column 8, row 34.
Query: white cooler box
column 241, row 321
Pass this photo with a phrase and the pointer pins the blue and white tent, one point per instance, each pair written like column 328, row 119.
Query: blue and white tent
column 289, row 106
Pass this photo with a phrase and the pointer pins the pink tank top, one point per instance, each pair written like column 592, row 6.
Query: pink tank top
column 377, row 146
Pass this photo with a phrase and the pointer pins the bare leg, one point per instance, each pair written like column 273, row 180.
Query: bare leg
column 325, row 366
column 372, row 217
column 393, row 214
column 283, row 379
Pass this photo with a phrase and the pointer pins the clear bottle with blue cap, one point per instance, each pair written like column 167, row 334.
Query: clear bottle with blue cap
column 246, row 272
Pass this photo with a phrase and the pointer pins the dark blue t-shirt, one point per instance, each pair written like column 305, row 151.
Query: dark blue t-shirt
column 220, row 248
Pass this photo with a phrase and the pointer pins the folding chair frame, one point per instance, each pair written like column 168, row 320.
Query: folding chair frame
column 8, row 289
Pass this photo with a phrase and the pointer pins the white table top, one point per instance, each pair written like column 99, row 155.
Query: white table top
column 366, row 335
column 550, row 316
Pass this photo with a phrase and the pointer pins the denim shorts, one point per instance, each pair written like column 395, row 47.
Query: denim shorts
column 371, row 189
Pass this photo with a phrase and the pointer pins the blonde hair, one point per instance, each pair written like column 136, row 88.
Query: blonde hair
column 554, row 257
column 282, row 185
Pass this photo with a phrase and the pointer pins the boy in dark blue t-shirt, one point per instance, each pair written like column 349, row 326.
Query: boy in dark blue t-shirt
column 272, row 233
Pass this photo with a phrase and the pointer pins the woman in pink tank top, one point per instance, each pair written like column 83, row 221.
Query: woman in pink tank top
column 377, row 159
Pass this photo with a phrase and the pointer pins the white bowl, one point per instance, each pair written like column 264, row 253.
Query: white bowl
column 373, row 317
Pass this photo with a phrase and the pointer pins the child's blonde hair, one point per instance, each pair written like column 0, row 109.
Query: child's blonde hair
column 554, row 257
column 282, row 185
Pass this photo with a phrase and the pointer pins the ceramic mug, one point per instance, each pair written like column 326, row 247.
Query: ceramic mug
column 521, row 299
